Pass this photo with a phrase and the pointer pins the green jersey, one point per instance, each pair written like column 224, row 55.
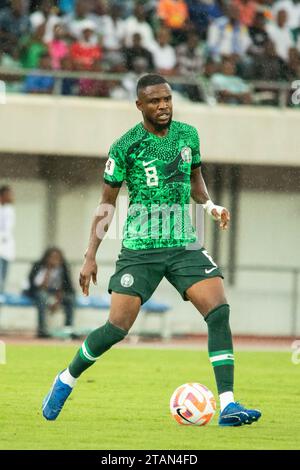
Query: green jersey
column 157, row 173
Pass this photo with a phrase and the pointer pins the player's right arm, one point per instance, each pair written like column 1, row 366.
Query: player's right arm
column 100, row 226
column 114, row 175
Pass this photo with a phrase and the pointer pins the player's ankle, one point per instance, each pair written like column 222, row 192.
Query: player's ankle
column 67, row 378
column 225, row 399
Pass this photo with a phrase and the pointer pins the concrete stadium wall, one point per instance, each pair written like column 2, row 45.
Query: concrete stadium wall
column 76, row 126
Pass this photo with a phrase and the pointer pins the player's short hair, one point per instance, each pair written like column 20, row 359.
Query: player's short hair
column 149, row 80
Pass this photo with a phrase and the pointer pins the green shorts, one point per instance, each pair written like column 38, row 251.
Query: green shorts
column 138, row 272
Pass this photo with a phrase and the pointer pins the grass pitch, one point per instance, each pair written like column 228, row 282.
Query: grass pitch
column 122, row 402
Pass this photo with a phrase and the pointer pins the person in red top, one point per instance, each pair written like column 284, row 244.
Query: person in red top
column 84, row 53
column 247, row 10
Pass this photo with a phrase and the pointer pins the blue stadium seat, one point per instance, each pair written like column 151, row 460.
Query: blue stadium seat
column 97, row 303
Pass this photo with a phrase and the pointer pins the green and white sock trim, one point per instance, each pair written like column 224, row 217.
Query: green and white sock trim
column 86, row 354
column 221, row 358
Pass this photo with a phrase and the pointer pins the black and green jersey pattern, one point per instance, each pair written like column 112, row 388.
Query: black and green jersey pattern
column 157, row 173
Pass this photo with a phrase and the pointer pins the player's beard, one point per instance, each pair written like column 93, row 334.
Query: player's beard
column 160, row 127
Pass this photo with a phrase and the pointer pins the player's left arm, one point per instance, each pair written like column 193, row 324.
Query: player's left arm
column 199, row 194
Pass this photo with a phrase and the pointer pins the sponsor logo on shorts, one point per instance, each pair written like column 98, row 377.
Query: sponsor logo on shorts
column 208, row 271
column 186, row 154
column 127, row 280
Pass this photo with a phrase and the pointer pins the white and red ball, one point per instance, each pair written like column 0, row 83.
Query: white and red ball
column 193, row 403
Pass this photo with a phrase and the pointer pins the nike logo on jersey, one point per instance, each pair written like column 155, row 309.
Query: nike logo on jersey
column 148, row 163
column 208, row 271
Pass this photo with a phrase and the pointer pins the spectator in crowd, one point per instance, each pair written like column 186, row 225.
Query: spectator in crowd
column 58, row 47
column 111, row 29
column 51, row 288
column 74, row 20
column 203, row 12
column 33, row 47
column 137, row 23
column 190, row 62
column 164, row 55
column 267, row 65
column 45, row 14
column 227, row 36
column 40, row 84
column 86, row 56
column 7, row 241
column 293, row 70
column 175, row 15
column 292, row 9
column 14, row 24
column 137, row 51
column 11, row 60
column 70, row 85
column 190, row 55
column 247, row 9
column 228, row 87
column 280, row 35
column 258, row 34
column 84, row 52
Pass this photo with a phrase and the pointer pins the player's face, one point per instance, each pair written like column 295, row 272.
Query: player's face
column 155, row 103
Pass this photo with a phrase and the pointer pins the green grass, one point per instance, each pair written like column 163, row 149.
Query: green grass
column 123, row 401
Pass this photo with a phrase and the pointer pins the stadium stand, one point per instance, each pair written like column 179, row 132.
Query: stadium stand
column 186, row 40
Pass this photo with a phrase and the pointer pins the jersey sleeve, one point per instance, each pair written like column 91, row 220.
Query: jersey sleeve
column 195, row 146
column 115, row 170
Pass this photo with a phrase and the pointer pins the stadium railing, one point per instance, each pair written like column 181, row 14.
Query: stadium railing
column 262, row 91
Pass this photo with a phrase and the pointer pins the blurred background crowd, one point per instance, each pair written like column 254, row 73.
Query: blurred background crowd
column 221, row 45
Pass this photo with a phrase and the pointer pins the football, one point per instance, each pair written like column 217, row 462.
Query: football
column 193, row 403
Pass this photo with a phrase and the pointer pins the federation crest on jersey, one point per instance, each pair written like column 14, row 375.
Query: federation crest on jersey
column 186, row 154
column 127, row 280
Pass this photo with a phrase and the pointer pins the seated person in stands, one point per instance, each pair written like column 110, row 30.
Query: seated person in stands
column 227, row 86
column 40, row 84
column 50, row 287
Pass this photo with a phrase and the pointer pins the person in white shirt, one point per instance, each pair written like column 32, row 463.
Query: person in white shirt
column 7, row 241
column 280, row 35
column 164, row 55
column 45, row 14
column 292, row 8
column 74, row 21
column 227, row 36
column 137, row 24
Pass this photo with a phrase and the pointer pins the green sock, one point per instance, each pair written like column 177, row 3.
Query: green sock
column 220, row 348
column 99, row 341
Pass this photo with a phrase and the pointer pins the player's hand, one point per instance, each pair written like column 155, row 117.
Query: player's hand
column 224, row 217
column 88, row 271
